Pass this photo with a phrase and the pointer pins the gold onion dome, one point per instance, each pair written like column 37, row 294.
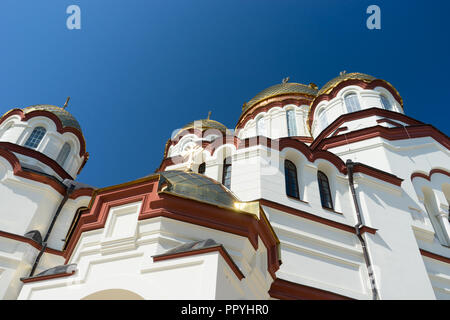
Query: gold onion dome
column 330, row 85
column 66, row 118
column 285, row 88
column 204, row 124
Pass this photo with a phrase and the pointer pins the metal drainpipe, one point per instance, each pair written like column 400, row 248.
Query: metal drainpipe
column 360, row 224
column 69, row 190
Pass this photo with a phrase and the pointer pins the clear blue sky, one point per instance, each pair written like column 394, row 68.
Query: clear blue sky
column 138, row 69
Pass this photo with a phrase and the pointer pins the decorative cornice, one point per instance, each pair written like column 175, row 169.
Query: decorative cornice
column 38, row 156
column 41, row 178
column 310, row 154
column 59, row 126
column 47, row 277
column 156, row 204
column 29, row 241
column 352, row 82
column 286, row 290
column 391, row 134
column 219, row 248
column 336, row 124
column 312, row 217
column 428, row 177
column 434, row 256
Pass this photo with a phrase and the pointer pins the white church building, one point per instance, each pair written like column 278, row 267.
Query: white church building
column 330, row 193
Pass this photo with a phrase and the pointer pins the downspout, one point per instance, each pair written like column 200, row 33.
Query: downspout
column 358, row 227
column 68, row 192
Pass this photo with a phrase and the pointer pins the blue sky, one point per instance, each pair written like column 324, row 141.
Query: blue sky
column 139, row 69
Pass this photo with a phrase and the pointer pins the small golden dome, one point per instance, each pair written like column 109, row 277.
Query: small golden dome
column 66, row 118
column 330, row 85
column 281, row 89
column 204, row 124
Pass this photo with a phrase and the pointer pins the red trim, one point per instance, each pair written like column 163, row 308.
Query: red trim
column 30, row 242
column 428, row 177
column 38, row 156
column 18, row 171
column 47, row 277
column 339, row 130
column 286, row 290
column 385, row 133
column 351, row 82
column 312, row 217
column 360, row 115
column 58, row 123
column 434, row 256
column 310, row 154
column 156, row 204
column 368, row 230
column 280, row 101
column 376, row 173
column 222, row 251
column 384, row 120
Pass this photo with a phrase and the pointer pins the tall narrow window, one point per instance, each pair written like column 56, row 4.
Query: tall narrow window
column 35, row 138
column 290, row 176
column 290, row 118
column 385, row 102
column 260, row 128
column 322, row 119
column 226, row 174
column 202, row 168
column 352, row 103
column 324, row 188
column 433, row 212
column 63, row 154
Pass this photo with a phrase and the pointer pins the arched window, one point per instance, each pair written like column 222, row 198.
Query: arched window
column 292, row 127
column 290, row 176
column 202, row 168
column 324, row 188
column 63, row 154
column 322, row 119
column 433, row 212
column 385, row 103
column 226, row 173
column 35, row 138
column 260, row 128
column 352, row 102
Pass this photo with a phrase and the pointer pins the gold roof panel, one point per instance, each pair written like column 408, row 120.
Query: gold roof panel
column 281, row 89
column 66, row 118
column 346, row 76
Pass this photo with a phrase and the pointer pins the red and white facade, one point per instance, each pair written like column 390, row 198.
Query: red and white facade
column 383, row 233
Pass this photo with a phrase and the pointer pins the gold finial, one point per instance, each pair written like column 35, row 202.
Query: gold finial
column 67, row 101
column 209, row 114
column 342, row 73
column 285, row 80
column 313, row 85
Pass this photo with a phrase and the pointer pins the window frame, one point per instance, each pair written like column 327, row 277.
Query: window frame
column 290, row 185
column 226, row 172
column 324, row 190
column 64, row 156
column 347, row 104
column 291, row 123
column 31, row 140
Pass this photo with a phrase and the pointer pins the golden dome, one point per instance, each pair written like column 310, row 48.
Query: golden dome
column 330, row 85
column 281, row 89
column 196, row 186
column 66, row 118
column 204, row 124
